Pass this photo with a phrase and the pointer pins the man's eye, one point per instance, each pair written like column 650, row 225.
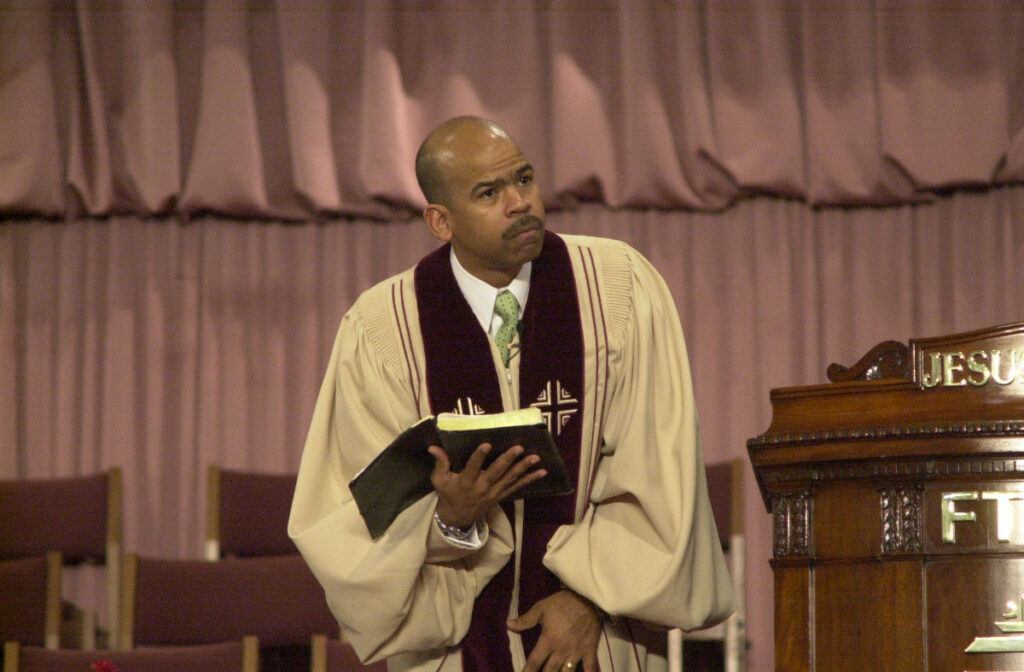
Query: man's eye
column 526, row 179
column 488, row 193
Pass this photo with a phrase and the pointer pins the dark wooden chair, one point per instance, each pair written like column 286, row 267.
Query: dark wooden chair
column 30, row 599
column 81, row 517
column 233, row 656
column 275, row 598
column 247, row 513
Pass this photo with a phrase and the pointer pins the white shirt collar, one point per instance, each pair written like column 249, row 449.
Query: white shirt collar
column 481, row 295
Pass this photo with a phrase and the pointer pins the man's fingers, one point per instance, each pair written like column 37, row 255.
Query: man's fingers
column 570, row 634
column 503, row 463
column 441, row 463
column 515, row 485
column 525, row 621
column 468, row 494
column 560, row 663
column 518, row 474
column 539, row 659
column 509, row 465
column 476, row 460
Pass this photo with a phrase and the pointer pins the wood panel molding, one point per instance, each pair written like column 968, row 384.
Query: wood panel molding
column 901, row 518
column 947, row 430
column 791, row 522
column 834, row 471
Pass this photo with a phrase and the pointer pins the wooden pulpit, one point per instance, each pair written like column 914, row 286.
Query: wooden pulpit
column 896, row 493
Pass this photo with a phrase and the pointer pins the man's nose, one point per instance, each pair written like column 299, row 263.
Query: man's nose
column 517, row 200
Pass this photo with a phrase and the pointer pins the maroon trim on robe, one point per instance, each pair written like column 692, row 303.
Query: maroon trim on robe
column 458, row 352
column 459, row 365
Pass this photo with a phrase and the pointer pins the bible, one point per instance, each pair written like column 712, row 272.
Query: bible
column 400, row 474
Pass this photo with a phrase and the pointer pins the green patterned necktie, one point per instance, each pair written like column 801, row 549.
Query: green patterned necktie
column 507, row 308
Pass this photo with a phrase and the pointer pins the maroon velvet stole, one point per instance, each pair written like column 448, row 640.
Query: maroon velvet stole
column 461, row 375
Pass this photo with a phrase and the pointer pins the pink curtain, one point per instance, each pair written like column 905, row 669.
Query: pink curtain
column 298, row 109
column 193, row 193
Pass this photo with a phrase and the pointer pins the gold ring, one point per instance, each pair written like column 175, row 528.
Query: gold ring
column 570, row 665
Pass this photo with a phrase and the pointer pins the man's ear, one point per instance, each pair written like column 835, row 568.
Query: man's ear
column 436, row 217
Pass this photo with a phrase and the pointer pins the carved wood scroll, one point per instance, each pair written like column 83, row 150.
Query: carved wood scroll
column 889, row 359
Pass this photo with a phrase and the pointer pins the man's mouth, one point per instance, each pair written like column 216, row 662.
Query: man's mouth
column 524, row 223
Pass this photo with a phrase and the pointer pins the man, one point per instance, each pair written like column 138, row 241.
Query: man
column 462, row 580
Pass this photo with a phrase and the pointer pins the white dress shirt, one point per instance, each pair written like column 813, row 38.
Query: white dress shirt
column 481, row 295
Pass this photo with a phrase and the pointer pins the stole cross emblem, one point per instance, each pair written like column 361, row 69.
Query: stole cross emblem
column 466, row 406
column 557, row 406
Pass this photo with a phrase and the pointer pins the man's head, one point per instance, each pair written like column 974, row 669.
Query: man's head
column 482, row 197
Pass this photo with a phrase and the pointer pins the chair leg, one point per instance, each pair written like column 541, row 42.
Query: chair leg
column 318, row 653
column 675, row 650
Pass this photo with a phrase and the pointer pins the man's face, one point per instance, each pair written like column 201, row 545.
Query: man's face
column 494, row 216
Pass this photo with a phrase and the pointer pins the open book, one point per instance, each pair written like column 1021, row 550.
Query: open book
column 400, row 474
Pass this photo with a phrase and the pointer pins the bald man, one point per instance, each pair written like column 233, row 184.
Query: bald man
column 470, row 577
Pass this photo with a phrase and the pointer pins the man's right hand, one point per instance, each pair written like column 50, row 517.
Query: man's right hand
column 465, row 497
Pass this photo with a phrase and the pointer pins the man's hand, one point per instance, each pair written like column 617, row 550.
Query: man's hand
column 464, row 497
column 570, row 633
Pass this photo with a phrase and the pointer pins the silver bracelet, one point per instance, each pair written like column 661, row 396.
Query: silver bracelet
column 453, row 532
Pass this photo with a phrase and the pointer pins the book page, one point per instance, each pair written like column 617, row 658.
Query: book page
column 453, row 422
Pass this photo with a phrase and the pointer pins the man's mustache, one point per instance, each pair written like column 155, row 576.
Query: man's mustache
column 524, row 223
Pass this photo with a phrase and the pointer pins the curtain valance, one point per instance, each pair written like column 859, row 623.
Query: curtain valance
column 307, row 108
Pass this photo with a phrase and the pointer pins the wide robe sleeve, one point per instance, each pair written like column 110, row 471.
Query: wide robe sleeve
column 397, row 593
column 646, row 547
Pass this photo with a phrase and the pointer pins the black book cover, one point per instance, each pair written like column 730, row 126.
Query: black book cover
column 400, row 474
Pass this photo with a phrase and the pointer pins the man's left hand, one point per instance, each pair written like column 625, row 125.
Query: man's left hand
column 570, row 632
